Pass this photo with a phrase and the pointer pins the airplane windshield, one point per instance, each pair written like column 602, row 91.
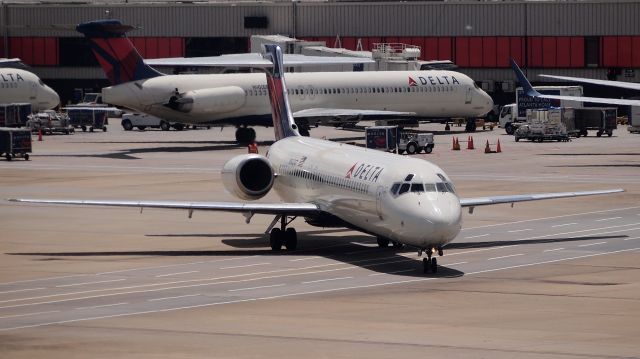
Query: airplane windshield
column 400, row 188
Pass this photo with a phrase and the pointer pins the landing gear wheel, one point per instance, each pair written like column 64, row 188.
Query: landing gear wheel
column 84, row 128
column 599, row 133
column 275, row 239
column 397, row 244
column 304, row 132
column 434, row 265
column 290, row 239
column 26, row 157
column 178, row 126
column 245, row 135
column 382, row 242
column 141, row 128
column 165, row 126
column 426, row 265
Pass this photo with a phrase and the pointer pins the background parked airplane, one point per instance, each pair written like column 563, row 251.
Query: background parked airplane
column 396, row 198
column 241, row 99
column 21, row 86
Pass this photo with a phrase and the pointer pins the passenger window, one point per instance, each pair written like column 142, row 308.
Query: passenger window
column 417, row 187
column 394, row 188
column 430, row 187
column 404, row 188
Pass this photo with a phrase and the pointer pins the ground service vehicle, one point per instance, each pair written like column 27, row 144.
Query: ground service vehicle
column 545, row 125
column 392, row 139
column 142, row 120
column 414, row 142
column 634, row 119
column 88, row 118
column 50, row 122
column 600, row 119
column 15, row 142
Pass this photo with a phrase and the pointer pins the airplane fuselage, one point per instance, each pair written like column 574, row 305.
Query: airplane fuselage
column 405, row 199
column 19, row 86
column 220, row 97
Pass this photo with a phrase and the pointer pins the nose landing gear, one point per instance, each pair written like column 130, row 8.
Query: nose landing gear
column 430, row 264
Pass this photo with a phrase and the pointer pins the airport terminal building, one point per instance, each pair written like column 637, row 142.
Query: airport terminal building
column 599, row 39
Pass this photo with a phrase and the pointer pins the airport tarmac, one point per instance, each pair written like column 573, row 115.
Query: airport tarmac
column 548, row 279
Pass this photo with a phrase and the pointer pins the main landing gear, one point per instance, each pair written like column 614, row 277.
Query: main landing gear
column 383, row 242
column 245, row 135
column 283, row 235
column 430, row 264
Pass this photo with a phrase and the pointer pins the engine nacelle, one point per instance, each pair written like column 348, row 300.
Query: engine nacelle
column 248, row 176
column 211, row 100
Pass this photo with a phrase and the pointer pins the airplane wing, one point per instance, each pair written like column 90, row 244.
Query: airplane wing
column 530, row 91
column 101, row 108
column 621, row 84
column 256, row 60
column 335, row 112
column 292, row 209
column 485, row 201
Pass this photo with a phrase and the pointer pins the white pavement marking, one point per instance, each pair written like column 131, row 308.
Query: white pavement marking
column 478, row 236
column 87, row 283
column 563, row 225
column 311, row 292
column 591, row 244
column 520, row 230
column 553, row 250
column 21, row 290
column 453, row 264
column 607, row 219
column 41, row 279
column 509, row 256
column 176, row 297
column 554, row 217
column 303, row 259
column 246, row 265
column 394, row 272
column 178, row 273
column 260, row 287
column 29, row 314
column 326, row 280
column 175, row 265
column 102, row 306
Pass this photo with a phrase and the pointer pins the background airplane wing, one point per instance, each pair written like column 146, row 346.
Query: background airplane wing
column 621, row 84
column 332, row 112
column 485, row 201
column 612, row 101
column 293, row 209
column 255, row 60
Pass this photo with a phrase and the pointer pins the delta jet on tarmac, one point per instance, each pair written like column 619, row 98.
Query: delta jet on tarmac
column 395, row 198
column 21, row 86
column 241, row 99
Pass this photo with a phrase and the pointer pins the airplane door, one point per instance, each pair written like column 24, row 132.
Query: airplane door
column 379, row 201
column 469, row 96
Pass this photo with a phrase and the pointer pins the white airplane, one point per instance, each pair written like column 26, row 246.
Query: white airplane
column 21, row 86
column 241, row 99
column 398, row 199
column 530, row 91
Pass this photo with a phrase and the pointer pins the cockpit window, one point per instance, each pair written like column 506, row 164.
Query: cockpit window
column 430, row 187
column 409, row 177
column 394, row 188
column 417, row 187
column 441, row 186
column 404, row 188
column 450, row 187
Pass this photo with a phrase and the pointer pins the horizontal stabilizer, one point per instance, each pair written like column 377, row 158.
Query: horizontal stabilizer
column 256, row 60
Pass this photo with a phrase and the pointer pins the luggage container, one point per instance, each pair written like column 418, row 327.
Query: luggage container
column 601, row 119
column 88, row 118
column 383, row 138
column 15, row 142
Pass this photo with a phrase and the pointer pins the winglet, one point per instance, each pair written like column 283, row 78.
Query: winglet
column 283, row 123
column 526, row 85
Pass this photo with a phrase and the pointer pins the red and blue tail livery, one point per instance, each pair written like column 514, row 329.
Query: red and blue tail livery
column 283, row 123
column 116, row 54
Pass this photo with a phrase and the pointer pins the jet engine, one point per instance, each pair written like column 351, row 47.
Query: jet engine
column 211, row 100
column 248, row 176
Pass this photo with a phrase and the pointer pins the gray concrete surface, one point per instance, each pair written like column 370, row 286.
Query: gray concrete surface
column 551, row 279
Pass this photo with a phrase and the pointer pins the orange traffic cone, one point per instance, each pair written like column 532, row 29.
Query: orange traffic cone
column 487, row 149
column 470, row 143
column 252, row 147
column 39, row 134
column 498, row 148
column 457, row 144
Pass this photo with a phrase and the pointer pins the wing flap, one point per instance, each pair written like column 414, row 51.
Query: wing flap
column 612, row 101
column 332, row 112
column 485, row 201
column 620, row 84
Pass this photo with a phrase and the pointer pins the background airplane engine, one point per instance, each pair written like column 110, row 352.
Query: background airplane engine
column 211, row 100
column 248, row 176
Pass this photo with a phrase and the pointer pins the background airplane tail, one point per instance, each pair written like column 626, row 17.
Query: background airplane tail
column 283, row 123
column 116, row 54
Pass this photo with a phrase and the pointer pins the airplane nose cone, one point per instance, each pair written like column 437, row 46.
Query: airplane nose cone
column 486, row 101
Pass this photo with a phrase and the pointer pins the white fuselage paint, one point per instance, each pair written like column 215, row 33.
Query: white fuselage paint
column 430, row 93
column 19, row 86
column 354, row 183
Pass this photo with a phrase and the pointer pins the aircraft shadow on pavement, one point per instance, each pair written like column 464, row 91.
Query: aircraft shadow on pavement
column 489, row 244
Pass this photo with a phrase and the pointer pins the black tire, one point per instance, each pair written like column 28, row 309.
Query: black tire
column 275, row 239
column 141, row 128
column 8, row 157
column 599, row 133
column 178, row 126
column 91, row 129
column 609, row 133
column 104, row 129
column 509, row 129
column 426, row 265
column 434, row 265
column 428, row 149
column 304, row 132
column 291, row 239
column 127, row 125
column 412, row 148
column 165, row 126
column 84, row 128
column 382, row 242
column 252, row 135
column 397, row 244
column 517, row 138
column 26, row 157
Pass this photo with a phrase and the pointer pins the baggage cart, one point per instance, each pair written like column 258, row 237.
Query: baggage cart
column 88, row 118
column 15, row 142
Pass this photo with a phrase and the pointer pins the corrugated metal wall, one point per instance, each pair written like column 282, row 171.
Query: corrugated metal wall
column 341, row 18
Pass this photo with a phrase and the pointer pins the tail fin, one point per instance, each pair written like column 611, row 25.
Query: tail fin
column 116, row 54
column 526, row 85
column 283, row 123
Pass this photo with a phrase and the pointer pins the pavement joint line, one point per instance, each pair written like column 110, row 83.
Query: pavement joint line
column 563, row 225
column 554, row 217
column 325, row 280
column 174, row 297
column 307, row 293
column 260, row 287
column 102, row 306
column 29, row 314
column 508, row 256
column 553, row 250
column 246, row 265
column 591, row 244
column 87, row 283
column 22, row 290
column 177, row 273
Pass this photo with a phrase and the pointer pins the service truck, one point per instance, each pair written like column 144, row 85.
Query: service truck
column 546, row 125
column 392, row 139
column 512, row 115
